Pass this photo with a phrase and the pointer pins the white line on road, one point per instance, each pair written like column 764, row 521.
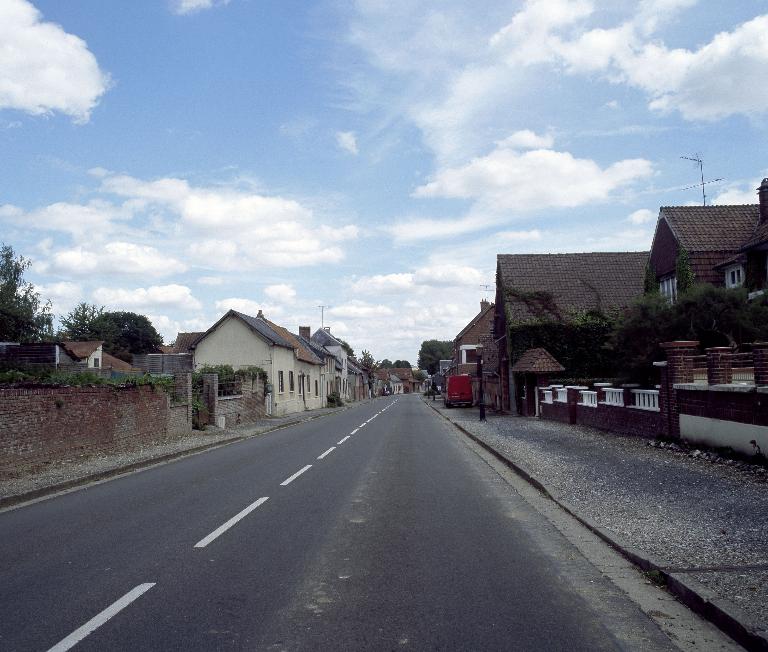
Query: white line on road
column 362, row 425
column 332, row 448
column 339, row 443
column 97, row 621
column 220, row 530
column 354, row 431
column 288, row 481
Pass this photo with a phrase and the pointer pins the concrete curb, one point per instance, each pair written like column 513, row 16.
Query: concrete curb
column 720, row 612
column 110, row 474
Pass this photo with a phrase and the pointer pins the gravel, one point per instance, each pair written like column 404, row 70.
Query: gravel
column 687, row 508
column 85, row 466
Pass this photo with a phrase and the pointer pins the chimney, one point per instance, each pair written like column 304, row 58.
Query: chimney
column 260, row 315
column 327, row 328
column 484, row 303
column 762, row 192
column 304, row 332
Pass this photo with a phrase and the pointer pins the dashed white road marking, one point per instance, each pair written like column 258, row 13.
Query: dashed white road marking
column 332, row 448
column 288, row 481
column 362, row 425
column 97, row 621
column 223, row 528
column 339, row 443
column 354, row 431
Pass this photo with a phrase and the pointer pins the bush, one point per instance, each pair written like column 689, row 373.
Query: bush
column 334, row 400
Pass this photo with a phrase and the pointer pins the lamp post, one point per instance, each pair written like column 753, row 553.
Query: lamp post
column 480, row 403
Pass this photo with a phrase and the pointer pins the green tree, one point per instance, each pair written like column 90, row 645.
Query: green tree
column 23, row 318
column 650, row 284
column 386, row 363
column 419, row 375
column 367, row 360
column 683, row 272
column 125, row 333
column 78, row 323
column 431, row 352
column 401, row 364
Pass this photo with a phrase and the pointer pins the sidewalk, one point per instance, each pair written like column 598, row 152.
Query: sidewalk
column 702, row 523
column 89, row 469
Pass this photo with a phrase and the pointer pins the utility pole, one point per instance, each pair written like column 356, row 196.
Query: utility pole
column 698, row 159
column 322, row 315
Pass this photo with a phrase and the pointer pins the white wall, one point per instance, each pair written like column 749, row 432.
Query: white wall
column 716, row 432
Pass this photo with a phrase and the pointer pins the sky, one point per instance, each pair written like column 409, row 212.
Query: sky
column 178, row 158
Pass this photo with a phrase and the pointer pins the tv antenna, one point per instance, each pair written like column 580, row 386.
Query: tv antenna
column 486, row 288
column 322, row 315
column 697, row 159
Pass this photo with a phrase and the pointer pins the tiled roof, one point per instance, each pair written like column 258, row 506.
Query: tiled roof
column 184, row 342
column 303, row 352
column 81, row 350
column 318, row 349
column 117, row 364
column 258, row 324
column 585, row 281
column 404, row 373
column 759, row 236
column 537, row 361
column 712, row 228
column 325, row 338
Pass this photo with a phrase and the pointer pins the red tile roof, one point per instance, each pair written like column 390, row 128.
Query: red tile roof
column 712, row 228
column 303, row 352
column 575, row 282
column 184, row 342
column 81, row 350
column 537, row 361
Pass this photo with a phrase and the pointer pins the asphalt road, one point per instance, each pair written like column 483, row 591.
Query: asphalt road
column 396, row 537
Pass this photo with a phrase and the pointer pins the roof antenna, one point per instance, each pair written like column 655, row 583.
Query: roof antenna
column 486, row 288
column 697, row 159
column 322, row 315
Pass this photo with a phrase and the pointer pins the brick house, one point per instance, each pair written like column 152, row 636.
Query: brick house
column 726, row 245
column 478, row 333
column 555, row 287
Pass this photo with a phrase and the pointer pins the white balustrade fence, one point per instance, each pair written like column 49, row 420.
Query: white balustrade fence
column 588, row 398
column 548, row 396
column 646, row 399
column 614, row 396
column 562, row 395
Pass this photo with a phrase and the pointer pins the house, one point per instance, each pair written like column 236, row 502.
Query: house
column 292, row 367
column 323, row 337
column 41, row 355
column 328, row 378
column 474, row 340
column 89, row 353
column 555, row 287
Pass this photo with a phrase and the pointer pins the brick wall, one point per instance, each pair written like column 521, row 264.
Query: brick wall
column 622, row 420
column 554, row 412
column 748, row 406
column 246, row 407
column 47, row 425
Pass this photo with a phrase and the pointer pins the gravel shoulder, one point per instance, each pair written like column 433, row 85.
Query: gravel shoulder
column 82, row 468
column 707, row 519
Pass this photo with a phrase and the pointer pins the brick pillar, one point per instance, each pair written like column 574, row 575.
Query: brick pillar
column 679, row 369
column 211, row 395
column 573, row 400
column 182, row 388
column 719, row 365
column 760, row 359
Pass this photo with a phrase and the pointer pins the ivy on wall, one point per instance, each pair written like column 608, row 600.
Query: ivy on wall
column 683, row 272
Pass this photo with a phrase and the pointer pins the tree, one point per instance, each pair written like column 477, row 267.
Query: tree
column 344, row 345
column 419, row 375
column 650, row 284
column 401, row 364
column 367, row 360
column 431, row 352
column 125, row 333
column 22, row 316
column 78, row 324
column 386, row 363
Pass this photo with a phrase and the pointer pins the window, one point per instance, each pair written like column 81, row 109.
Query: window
column 668, row 287
column 317, row 387
column 280, row 383
column 96, row 363
column 734, row 276
column 290, row 382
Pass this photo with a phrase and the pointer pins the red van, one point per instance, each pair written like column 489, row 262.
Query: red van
column 458, row 390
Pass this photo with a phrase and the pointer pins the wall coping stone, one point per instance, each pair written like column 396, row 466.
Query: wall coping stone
column 762, row 390
column 740, row 389
column 691, row 386
column 663, row 363
column 603, row 384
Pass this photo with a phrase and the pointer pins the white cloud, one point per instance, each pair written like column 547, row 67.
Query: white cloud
column 250, row 307
column 347, row 141
column 93, row 220
column 506, row 179
column 383, row 284
column 642, row 216
column 360, row 310
column 526, row 139
column 280, row 292
column 63, row 295
column 211, row 280
column 169, row 328
column 157, row 296
column 533, row 235
column 113, row 258
column 738, row 193
column 43, row 68
column 448, row 276
column 183, row 7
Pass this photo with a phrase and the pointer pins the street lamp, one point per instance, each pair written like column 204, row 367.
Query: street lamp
column 480, row 403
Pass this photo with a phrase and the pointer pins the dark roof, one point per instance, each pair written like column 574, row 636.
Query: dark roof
column 302, row 351
column 575, row 282
column 81, row 350
column 537, row 361
column 325, row 338
column 759, row 236
column 184, row 342
column 318, row 349
column 257, row 324
column 117, row 364
column 711, row 228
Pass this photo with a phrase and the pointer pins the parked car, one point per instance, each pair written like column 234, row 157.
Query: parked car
column 458, row 390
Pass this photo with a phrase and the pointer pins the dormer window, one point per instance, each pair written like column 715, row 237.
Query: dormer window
column 734, row 276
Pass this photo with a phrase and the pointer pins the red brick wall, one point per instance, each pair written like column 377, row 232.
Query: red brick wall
column 246, row 408
column 622, row 420
column 48, row 425
column 743, row 407
column 554, row 411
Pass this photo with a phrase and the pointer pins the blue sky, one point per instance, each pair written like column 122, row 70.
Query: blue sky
column 181, row 157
